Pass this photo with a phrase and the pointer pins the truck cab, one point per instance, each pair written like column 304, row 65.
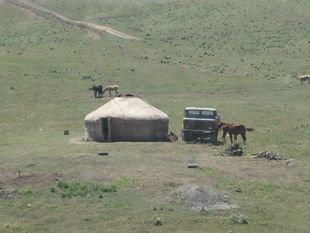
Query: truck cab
column 200, row 124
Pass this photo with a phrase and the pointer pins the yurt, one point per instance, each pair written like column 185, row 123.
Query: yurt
column 127, row 118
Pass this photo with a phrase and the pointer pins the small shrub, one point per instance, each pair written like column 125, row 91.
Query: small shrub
column 240, row 219
column 25, row 192
column 87, row 77
column 238, row 190
column 157, row 222
column 127, row 182
column 70, row 189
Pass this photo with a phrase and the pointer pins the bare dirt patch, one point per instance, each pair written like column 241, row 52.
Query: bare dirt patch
column 12, row 183
column 30, row 13
column 200, row 199
column 93, row 35
column 35, row 179
column 7, row 193
column 79, row 140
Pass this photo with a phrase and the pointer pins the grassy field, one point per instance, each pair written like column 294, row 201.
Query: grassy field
column 239, row 56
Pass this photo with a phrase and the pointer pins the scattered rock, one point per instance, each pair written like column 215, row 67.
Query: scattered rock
column 240, row 219
column 201, row 199
column 157, row 222
column 7, row 193
column 269, row 155
column 173, row 184
column 172, row 137
column 234, row 149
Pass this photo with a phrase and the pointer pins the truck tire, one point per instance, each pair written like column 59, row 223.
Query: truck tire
column 213, row 138
column 187, row 136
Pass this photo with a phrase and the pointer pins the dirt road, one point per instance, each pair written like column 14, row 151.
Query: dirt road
column 41, row 10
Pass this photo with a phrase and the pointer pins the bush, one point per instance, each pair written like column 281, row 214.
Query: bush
column 240, row 219
column 70, row 189
column 25, row 192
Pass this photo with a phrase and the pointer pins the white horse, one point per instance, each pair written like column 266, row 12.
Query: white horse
column 111, row 88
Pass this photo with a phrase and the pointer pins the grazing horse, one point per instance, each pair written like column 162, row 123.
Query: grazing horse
column 303, row 78
column 97, row 90
column 233, row 129
column 111, row 88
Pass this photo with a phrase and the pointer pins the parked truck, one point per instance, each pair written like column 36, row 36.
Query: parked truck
column 200, row 124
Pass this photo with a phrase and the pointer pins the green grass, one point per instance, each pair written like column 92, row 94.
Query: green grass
column 267, row 39
column 69, row 189
column 194, row 53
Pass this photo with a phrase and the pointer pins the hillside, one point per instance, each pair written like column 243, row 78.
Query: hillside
column 216, row 36
column 240, row 57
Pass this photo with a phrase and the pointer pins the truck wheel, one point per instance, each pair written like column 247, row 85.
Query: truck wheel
column 186, row 136
column 214, row 138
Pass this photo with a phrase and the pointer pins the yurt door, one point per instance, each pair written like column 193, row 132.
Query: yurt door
column 106, row 129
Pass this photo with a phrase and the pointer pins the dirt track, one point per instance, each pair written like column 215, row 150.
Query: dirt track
column 41, row 10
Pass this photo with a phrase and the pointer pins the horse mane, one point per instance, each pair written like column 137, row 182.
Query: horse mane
column 221, row 125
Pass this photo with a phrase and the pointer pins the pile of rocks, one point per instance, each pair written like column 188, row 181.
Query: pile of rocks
column 269, row 155
column 234, row 149
column 201, row 199
column 172, row 137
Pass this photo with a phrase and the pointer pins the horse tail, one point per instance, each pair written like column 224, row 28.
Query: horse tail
column 250, row 129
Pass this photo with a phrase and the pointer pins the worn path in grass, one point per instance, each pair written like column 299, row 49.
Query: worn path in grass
column 41, row 10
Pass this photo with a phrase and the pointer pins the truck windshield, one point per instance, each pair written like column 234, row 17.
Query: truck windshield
column 200, row 113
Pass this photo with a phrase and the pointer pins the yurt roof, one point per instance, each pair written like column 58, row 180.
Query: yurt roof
column 133, row 108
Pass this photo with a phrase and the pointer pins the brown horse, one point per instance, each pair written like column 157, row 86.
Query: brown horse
column 233, row 129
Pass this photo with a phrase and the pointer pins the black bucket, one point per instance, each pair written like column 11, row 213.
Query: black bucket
column 103, row 153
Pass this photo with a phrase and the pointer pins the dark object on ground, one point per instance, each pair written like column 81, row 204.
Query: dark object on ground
column 97, row 90
column 157, row 222
column 103, row 153
column 11, row 88
column 269, row 155
column 172, row 137
column 234, row 149
column 192, row 165
column 66, row 132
